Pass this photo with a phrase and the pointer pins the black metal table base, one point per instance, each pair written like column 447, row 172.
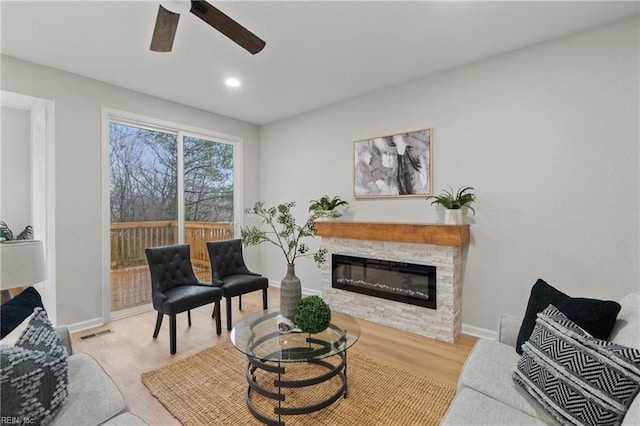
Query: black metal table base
column 281, row 384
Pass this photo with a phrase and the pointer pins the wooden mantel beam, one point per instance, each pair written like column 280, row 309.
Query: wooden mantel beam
column 439, row 234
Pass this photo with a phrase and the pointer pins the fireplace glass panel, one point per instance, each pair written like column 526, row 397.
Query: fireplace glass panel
column 403, row 282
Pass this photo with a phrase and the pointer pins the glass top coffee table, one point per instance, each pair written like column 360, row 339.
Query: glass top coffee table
column 313, row 361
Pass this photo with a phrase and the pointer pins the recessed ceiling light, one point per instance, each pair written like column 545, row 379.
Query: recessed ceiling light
column 177, row 6
column 232, row 82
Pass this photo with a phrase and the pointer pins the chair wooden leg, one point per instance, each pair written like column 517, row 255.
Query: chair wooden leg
column 172, row 333
column 228, row 299
column 264, row 299
column 158, row 324
column 240, row 302
column 216, row 309
column 189, row 316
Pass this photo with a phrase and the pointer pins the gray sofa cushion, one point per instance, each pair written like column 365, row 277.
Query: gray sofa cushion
column 65, row 338
column 489, row 369
column 125, row 419
column 626, row 330
column 474, row 408
column 93, row 396
column 632, row 418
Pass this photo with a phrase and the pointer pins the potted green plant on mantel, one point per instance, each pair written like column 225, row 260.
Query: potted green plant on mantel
column 453, row 202
column 283, row 232
column 327, row 206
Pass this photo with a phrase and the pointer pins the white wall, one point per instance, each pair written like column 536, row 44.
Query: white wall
column 15, row 169
column 78, row 103
column 547, row 135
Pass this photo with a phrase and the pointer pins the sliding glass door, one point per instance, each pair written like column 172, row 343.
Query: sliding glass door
column 165, row 187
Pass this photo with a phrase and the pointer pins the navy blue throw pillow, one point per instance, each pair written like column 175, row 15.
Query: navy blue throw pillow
column 18, row 309
column 596, row 317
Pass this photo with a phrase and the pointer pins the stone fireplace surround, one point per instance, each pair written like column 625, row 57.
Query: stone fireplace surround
column 425, row 244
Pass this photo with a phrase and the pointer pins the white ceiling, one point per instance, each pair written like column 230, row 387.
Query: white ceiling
column 317, row 53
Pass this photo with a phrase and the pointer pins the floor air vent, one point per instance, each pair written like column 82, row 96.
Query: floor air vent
column 96, row 334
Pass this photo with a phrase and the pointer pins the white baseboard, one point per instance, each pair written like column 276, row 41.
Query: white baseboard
column 479, row 332
column 311, row 292
column 275, row 284
column 123, row 313
column 97, row 322
column 306, row 291
column 84, row 325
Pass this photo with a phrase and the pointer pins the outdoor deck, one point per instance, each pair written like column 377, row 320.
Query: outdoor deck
column 130, row 280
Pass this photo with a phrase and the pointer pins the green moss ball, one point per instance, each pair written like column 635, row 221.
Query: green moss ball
column 312, row 315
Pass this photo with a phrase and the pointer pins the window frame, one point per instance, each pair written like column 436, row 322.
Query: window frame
column 110, row 115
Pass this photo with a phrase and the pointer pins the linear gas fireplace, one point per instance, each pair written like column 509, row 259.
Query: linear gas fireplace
column 399, row 281
column 422, row 244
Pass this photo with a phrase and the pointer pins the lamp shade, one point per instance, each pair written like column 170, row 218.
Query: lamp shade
column 21, row 264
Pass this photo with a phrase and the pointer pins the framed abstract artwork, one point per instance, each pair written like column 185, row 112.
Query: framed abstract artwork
column 393, row 166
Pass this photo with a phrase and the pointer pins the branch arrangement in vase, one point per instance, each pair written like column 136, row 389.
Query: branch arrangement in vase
column 283, row 231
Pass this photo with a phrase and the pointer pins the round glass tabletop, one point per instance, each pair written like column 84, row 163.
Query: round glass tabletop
column 257, row 336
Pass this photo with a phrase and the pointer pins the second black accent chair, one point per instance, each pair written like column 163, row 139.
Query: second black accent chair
column 229, row 271
column 175, row 288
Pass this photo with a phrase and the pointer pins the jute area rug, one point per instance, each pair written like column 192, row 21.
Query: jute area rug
column 209, row 388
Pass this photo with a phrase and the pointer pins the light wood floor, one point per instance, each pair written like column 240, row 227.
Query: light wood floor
column 129, row 349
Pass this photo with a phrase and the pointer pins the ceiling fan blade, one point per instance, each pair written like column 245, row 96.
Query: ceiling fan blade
column 165, row 30
column 227, row 26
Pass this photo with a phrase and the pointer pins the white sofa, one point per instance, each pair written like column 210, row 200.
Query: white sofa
column 487, row 394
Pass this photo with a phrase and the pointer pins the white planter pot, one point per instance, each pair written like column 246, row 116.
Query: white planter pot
column 453, row 217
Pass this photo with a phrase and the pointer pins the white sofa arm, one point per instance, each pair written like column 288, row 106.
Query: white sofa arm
column 508, row 329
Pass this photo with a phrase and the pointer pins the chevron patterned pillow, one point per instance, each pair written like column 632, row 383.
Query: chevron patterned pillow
column 581, row 380
column 33, row 374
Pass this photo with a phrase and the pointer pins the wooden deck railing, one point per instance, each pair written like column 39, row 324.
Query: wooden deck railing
column 130, row 284
column 130, row 239
column 198, row 233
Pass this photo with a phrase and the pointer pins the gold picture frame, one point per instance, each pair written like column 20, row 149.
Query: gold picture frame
column 393, row 166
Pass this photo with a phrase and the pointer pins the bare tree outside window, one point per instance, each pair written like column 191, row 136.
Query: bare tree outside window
column 208, row 181
column 143, row 174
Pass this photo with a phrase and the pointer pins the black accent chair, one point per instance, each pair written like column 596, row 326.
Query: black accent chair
column 176, row 289
column 229, row 271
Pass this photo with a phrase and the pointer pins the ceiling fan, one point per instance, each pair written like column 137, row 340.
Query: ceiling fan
column 167, row 23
